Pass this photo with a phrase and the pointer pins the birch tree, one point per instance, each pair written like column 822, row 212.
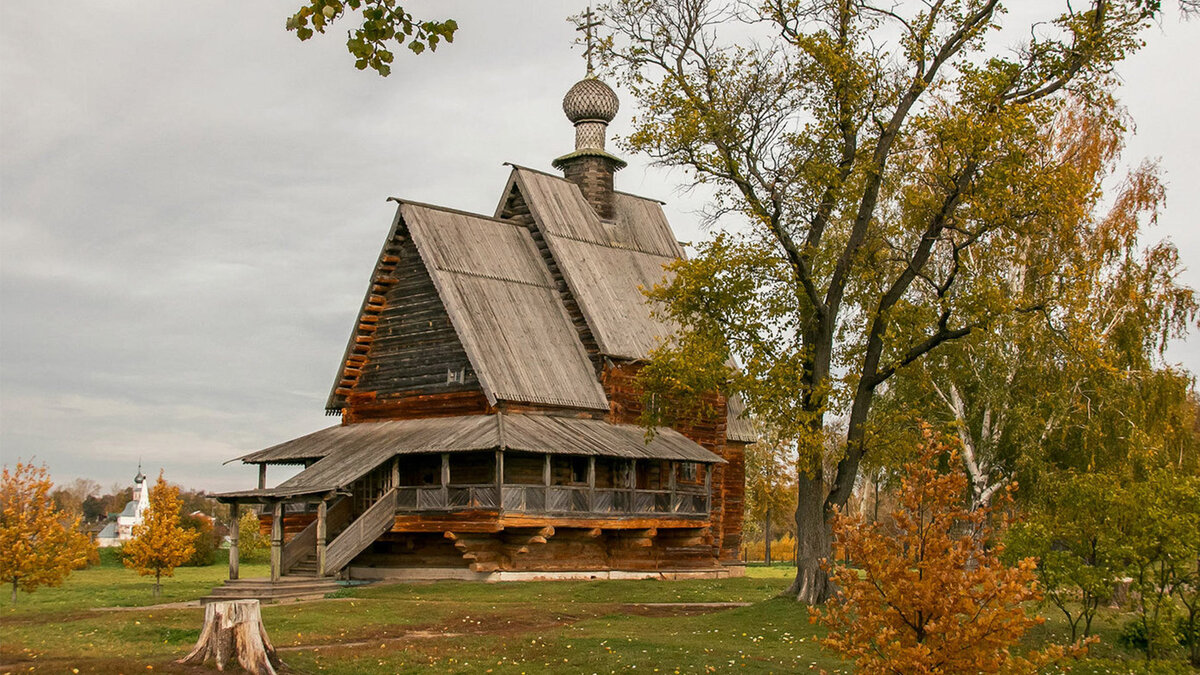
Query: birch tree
column 1082, row 382
column 879, row 163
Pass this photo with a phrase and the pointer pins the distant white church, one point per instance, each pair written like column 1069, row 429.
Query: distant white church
column 121, row 530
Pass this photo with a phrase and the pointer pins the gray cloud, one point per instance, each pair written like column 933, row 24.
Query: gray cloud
column 191, row 200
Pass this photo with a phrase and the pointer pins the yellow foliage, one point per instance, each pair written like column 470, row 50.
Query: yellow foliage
column 39, row 545
column 936, row 598
column 159, row 544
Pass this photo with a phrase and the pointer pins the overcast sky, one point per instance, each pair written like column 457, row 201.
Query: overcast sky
column 191, row 201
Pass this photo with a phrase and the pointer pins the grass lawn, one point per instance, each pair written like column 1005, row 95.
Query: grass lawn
column 454, row 627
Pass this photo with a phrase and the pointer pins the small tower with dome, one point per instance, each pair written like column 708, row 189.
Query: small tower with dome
column 590, row 105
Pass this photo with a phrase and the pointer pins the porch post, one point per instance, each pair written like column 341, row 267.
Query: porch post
column 321, row 534
column 262, row 476
column 396, row 472
column 708, row 488
column 546, row 470
column 672, row 485
column 591, row 483
column 445, row 480
column 499, row 479
column 277, row 542
column 233, row 541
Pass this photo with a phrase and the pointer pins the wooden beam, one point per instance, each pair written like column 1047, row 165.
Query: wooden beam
column 591, row 480
column 234, row 554
column 546, row 470
column 445, row 480
column 277, row 541
column 262, row 476
column 322, row 535
column 671, row 478
column 500, row 479
column 708, row 488
column 395, row 472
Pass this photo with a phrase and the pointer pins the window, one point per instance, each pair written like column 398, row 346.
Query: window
column 689, row 471
column 456, row 376
column 579, row 469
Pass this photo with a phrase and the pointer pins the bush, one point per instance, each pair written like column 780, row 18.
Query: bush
column 1159, row 640
column 252, row 545
column 205, row 544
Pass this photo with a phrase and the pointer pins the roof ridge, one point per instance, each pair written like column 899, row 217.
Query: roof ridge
column 449, row 209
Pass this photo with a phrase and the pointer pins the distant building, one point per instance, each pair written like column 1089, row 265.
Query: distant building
column 120, row 530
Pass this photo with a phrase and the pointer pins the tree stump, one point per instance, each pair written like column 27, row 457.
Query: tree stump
column 232, row 628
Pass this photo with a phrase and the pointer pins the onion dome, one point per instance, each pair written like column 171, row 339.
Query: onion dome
column 590, row 99
column 140, row 477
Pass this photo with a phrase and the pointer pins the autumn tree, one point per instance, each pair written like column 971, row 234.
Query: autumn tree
column 39, row 544
column 253, row 545
column 1079, row 383
column 934, row 598
column 770, row 489
column 159, row 543
column 877, row 196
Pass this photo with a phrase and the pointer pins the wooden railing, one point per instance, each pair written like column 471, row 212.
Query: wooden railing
column 305, row 543
column 554, row 499
column 360, row 533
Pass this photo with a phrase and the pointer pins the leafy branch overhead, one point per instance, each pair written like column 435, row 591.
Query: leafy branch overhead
column 385, row 26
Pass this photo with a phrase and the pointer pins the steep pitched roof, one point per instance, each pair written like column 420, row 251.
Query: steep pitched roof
column 506, row 315
column 605, row 263
column 505, row 309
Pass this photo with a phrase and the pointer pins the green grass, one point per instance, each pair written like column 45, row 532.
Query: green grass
column 454, row 627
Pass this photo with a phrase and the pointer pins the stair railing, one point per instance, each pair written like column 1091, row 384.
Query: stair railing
column 360, row 533
column 304, row 544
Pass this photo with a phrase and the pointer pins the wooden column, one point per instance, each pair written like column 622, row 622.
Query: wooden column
column 671, row 484
column 633, row 474
column 592, row 483
column 395, row 472
column 445, row 480
column 708, row 489
column 322, row 532
column 234, row 553
column 546, row 482
column 277, row 541
column 262, row 476
column 500, row 479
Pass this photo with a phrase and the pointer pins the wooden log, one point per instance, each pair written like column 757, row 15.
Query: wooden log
column 234, row 628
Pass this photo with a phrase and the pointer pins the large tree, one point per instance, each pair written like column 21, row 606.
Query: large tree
column 890, row 163
column 1080, row 384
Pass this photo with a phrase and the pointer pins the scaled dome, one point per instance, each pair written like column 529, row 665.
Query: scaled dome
column 590, row 99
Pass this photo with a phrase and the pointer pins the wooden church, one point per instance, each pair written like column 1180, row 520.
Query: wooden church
column 489, row 405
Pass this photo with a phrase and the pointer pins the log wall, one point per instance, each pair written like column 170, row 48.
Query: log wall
column 728, row 480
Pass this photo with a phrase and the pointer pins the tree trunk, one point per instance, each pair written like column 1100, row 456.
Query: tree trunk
column 232, row 628
column 157, row 582
column 14, row 591
column 814, row 541
column 767, row 537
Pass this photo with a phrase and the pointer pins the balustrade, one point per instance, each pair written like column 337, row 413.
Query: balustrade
column 554, row 499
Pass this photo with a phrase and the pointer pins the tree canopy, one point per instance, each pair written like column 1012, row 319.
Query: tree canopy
column 888, row 167
column 39, row 544
column 159, row 543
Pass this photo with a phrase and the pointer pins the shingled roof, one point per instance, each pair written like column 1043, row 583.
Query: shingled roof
column 605, row 263
column 347, row 453
column 505, row 311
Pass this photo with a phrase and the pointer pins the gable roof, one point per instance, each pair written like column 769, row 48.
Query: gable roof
column 605, row 263
column 504, row 307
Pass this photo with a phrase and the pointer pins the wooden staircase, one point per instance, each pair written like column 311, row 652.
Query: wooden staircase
column 265, row 590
